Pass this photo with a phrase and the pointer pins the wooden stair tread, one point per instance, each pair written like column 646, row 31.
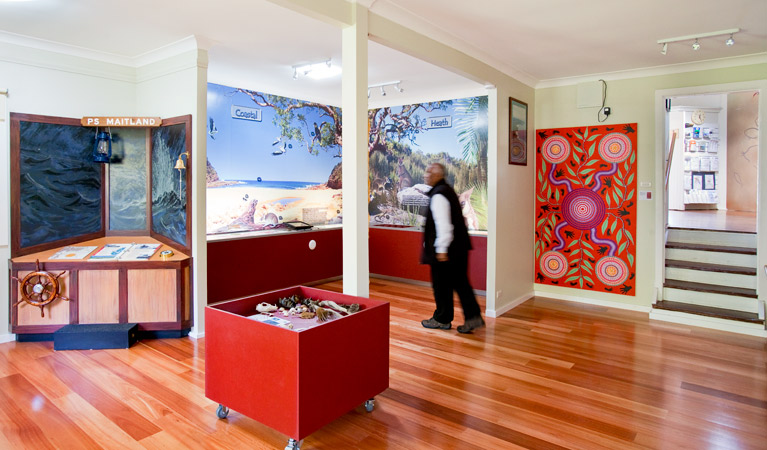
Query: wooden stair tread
column 709, row 311
column 711, row 230
column 708, row 267
column 712, row 288
column 711, row 248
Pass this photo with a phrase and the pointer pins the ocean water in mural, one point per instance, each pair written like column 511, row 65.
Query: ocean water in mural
column 404, row 140
column 127, row 180
column 169, row 184
column 586, row 208
column 271, row 159
column 60, row 184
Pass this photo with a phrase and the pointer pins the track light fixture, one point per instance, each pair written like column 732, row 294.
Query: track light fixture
column 317, row 71
column 695, row 37
column 382, row 86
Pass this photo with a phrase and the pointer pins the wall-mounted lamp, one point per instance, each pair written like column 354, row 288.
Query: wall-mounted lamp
column 382, row 86
column 317, row 71
column 180, row 166
column 102, row 146
column 696, row 45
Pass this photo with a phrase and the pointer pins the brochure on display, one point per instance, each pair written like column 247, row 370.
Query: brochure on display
column 73, row 252
column 125, row 252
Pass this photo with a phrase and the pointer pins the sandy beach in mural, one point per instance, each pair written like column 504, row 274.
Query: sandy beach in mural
column 244, row 208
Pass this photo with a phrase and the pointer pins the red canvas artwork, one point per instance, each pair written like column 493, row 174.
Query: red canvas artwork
column 585, row 208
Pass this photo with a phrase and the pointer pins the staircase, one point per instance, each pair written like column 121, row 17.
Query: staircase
column 710, row 280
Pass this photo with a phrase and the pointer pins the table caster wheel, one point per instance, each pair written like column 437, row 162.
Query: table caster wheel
column 222, row 411
column 370, row 405
column 294, row 444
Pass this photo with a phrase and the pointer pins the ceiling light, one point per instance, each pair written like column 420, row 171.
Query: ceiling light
column 664, row 49
column 398, row 88
column 383, row 92
column 730, row 42
column 317, row 71
column 696, row 45
column 395, row 84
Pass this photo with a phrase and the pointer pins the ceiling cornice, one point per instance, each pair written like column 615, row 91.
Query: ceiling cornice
column 722, row 63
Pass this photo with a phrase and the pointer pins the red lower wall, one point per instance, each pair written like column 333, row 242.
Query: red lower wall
column 242, row 267
column 397, row 253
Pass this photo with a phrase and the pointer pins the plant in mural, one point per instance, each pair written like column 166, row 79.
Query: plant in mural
column 292, row 121
column 585, row 208
column 405, row 140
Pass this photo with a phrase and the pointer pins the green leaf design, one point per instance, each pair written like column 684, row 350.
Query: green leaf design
column 556, row 195
column 588, row 278
column 580, row 282
column 586, row 244
column 572, row 271
column 576, row 158
column 631, row 259
column 631, row 178
column 584, row 172
column 604, row 225
column 543, row 165
column 588, row 180
column 537, row 253
column 570, row 171
column 592, row 138
column 615, row 197
column 574, row 277
column 540, row 222
column 571, row 243
column 591, row 150
column 618, row 236
column 593, row 161
column 633, row 157
column 540, row 177
column 575, row 252
column 578, row 135
column 540, row 199
column 586, row 133
column 612, row 227
column 618, row 182
column 588, row 253
column 607, row 199
column 631, row 195
column 587, row 263
column 620, row 193
column 629, row 236
column 623, row 246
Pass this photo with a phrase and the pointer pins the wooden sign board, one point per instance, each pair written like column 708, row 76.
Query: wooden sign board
column 121, row 121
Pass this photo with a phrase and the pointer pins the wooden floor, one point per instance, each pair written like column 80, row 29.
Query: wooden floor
column 547, row 375
column 713, row 220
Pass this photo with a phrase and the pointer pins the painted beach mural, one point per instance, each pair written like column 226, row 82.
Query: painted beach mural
column 404, row 140
column 586, row 208
column 271, row 159
column 168, row 184
column 60, row 185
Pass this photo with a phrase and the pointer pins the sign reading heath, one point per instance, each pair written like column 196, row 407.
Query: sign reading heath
column 245, row 113
column 437, row 122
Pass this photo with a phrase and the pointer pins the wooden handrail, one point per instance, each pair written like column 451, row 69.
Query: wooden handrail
column 670, row 157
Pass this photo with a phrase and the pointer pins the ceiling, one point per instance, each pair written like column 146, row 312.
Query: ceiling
column 254, row 43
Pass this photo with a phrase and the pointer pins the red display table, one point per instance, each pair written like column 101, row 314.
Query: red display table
column 295, row 381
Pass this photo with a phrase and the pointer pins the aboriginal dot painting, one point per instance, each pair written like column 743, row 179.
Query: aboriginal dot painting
column 585, row 208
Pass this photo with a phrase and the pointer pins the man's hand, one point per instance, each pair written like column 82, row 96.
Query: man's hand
column 441, row 257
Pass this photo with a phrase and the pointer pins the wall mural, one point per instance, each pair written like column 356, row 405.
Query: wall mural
column 127, row 180
column 586, row 208
column 271, row 159
column 168, row 184
column 60, row 185
column 404, row 140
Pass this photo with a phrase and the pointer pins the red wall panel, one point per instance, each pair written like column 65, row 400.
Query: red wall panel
column 243, row 267
column 397, row 253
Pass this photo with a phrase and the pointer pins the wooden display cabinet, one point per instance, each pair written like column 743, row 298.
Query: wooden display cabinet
column 155, row 294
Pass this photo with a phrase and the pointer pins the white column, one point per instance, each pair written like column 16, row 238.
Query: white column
column 356, row 267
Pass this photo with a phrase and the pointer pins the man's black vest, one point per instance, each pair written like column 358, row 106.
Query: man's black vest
column 461, row 243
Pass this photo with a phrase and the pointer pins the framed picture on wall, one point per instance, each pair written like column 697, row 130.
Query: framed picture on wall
column 517, row 132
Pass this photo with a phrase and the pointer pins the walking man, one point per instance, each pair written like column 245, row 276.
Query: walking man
column 446, row 248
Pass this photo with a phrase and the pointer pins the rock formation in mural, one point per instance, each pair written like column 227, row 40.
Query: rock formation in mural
column 585, row 223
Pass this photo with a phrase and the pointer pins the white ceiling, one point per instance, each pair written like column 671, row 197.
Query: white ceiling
column 254, row 43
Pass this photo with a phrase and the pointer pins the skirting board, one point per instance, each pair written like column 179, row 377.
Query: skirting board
column 7, row 338
column 713, row 323
column 506, row 308
column 591, row 301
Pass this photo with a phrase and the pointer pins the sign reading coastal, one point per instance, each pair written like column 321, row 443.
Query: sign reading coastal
column 275, row 160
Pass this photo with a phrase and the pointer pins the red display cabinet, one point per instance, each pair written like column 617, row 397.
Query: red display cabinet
column 295, row 381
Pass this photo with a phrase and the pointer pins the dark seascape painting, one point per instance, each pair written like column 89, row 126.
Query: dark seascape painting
column 127, row 180
column 169, row 184
column 60, row 185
